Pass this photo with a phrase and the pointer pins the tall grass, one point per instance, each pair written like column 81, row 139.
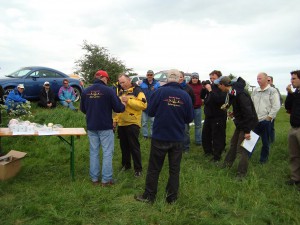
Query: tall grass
column 43, row 192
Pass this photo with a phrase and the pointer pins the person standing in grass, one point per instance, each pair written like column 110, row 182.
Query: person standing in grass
column 189, row 90
column 129, row 123
column 292, row 105
column 172, row 108
column 148, row 86
column 267, row 104
column 197, row 88
column 244, row 117
column 272, row 132
column 214, row 127
column 97, row 103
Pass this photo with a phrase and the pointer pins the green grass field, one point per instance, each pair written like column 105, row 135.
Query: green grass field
column 43, row 192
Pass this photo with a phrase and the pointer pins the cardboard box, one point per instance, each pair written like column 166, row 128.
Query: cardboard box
column 10, row 164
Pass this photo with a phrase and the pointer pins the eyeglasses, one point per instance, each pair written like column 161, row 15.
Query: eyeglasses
column 149, row 75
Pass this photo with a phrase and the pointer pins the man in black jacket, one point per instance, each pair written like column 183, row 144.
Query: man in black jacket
column 214, row 127
column 292, row 105
column 244, row 117
column 47, row 97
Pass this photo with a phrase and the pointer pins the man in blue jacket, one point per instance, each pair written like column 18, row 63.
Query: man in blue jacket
column 172, row 108
column 97, row 102
column 15, row 98
column 148, row 86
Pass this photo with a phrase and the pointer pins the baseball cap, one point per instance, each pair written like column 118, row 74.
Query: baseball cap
column 150, row 72
column 225, row 80
column 21, row 86
column 102, row 73
column 46, row 83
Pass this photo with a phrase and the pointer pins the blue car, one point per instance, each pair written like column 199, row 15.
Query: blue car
column 33, row 78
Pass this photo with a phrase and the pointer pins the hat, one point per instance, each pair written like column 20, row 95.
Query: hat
column 150, row 72
column 21, row 86
column 195, row 74
column 46, row 83
column 102, row 73
column 173, row 75
column 225, row 80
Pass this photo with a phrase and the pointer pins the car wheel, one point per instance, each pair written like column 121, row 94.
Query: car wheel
column 6, row 92
column 77, row 93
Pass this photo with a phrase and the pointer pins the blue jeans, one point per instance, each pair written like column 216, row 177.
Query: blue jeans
column 105, row 138
column 145, row 119
column 68, row 105
column 198, row 126
column 263, row 129
column 187, row 140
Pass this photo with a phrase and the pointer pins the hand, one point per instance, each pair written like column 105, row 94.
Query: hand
column 124, row 99
column 208, row 87
column 68, row 100
column 247, row 136
column 269, row 118
column 289, row 89
column 230, row 114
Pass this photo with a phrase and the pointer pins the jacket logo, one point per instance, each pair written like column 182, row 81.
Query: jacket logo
column 95, row 94
column 173, row 101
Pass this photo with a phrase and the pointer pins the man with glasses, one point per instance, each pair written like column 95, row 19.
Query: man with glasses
column 148, row 86
column 47, row 97
column 129, row 123
column 67, row 95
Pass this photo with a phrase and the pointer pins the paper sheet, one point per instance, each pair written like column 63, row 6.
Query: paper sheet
column 250, row 144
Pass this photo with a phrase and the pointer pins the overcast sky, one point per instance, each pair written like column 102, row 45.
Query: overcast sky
column 242, row 37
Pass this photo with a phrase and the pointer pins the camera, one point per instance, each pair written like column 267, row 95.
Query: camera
column 205, row 82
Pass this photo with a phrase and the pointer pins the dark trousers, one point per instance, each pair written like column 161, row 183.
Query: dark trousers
column 130, row 146
column 214, row 136
column 158, row 151
column 272, row 131
column 235, row 147
column 263, row 129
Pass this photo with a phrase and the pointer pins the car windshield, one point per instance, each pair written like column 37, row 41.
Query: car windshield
column 19, row 73
column 161, row 76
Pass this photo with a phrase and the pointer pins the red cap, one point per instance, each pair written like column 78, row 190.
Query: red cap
column 101, row 73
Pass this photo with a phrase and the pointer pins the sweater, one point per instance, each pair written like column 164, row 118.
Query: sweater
column 172, row 108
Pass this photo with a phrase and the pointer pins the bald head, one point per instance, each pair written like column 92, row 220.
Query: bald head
column 262, row 80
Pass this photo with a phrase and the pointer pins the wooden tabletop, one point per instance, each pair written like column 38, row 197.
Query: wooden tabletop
column 57, row 132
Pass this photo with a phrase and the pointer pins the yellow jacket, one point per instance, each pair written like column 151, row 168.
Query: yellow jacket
column 133, row 110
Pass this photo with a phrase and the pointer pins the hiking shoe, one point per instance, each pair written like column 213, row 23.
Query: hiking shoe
column 95, row 183
column 125, row 168
column 292, row 182
column 109, row 183
column 137, row 173
column 141, row 198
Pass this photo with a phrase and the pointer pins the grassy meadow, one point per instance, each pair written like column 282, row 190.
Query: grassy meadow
column 43, row 192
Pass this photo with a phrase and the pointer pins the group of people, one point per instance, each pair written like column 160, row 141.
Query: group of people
column 168, row 110
column 16, row 98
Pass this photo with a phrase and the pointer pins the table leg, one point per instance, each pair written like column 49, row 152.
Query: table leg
column 72, row 158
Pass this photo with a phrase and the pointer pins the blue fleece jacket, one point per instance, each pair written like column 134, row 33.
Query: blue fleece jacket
column 172, row 108
column 148, row 89
column 97, row 102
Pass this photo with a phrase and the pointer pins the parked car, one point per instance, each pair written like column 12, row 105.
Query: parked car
column 33, row 78
column 137, row 79
column 161, row 76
